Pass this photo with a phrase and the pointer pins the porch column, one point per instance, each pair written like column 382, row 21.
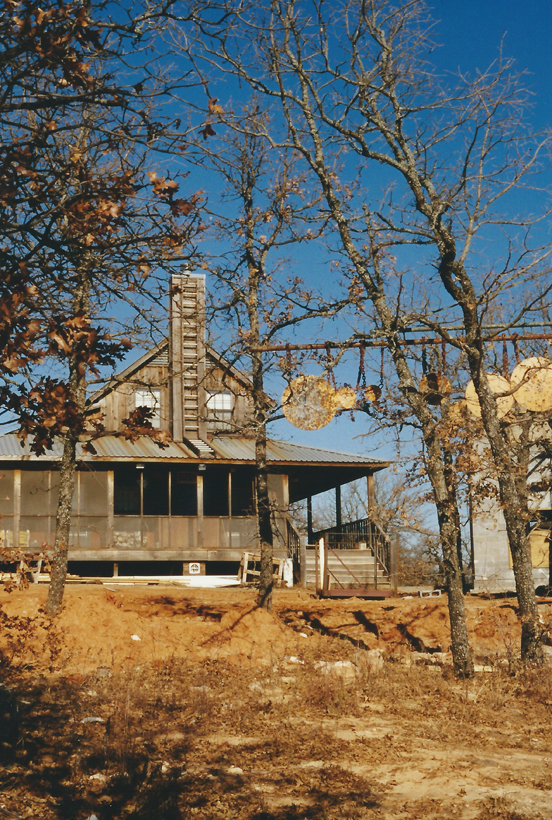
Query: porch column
column 370, row 503
column 394, row 562
column 110, row 535
column 370, row 493
column 16, row 509
column 285, row 492
column 200, row 542
column 309, row 520
column 230, row 501
column 142, row 508
column 338, row 508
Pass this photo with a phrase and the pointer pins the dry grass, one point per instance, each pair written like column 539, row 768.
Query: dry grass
column 204, row 741
column 332, row 733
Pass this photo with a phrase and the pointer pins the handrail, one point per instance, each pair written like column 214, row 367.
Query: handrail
column 361, row 525
column 345, row 565
column 293, row 540
column 372, row 534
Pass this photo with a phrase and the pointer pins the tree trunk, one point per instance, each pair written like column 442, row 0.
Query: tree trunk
column 448, row 530
column 439, row 461
column 266, row 579
column 77, row 395
column 511, row 459
column 264, row 512
column 58, row 571
column 531, row 632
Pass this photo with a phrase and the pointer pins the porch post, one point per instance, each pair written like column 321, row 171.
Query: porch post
column 326, row 577
column 370, row 493
column 16, row 509
column 200, row 543
column 370, row 503
column 303, row 562
column 309, row 520
column 110, row 535
column 394, row 568
column 338, row 508
column 321, row 564
column 230, row 501
column 141, row 509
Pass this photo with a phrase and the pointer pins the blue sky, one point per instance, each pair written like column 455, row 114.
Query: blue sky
column 470, row 34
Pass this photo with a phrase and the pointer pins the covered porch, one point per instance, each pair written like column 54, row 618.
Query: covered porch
column 350, row 557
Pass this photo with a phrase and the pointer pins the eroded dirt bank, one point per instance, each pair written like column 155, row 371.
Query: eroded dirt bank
column 168, row 704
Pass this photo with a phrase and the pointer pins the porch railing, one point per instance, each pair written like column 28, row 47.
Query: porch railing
column 361, row 534
column 293, row 541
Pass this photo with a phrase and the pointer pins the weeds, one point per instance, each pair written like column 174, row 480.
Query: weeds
column 305, row 737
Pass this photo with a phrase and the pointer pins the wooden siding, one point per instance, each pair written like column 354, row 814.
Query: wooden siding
column 119, row 402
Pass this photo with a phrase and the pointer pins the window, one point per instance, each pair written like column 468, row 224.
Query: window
column 219, row 409
column 6, row 492
column 215, row 492
column 183, row 493
column 156, row 490
column 141, row 490
column 151, row 398
column 243, row 492
column 127, row 491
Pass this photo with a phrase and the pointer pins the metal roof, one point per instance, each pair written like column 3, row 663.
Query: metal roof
column 243, row 449
column 225, row 448
column 114, row 447
column 107, row 447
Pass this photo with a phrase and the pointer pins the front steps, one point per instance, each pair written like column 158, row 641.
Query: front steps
column 358, row 563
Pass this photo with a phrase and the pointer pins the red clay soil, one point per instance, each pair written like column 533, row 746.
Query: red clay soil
column 149, row 703
column 100, row 627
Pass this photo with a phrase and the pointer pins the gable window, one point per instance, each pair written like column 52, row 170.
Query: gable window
column 219, row 409
column 149, row 397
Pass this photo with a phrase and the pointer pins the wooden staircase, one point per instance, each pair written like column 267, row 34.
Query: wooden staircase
column 348, row 569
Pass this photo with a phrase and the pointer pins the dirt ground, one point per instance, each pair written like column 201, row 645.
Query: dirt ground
column 158, row 703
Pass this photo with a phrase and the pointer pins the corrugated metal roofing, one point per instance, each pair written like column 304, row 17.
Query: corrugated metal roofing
column 144, row 447
column 10, row 448
column 225, row 448
column 107, row 447
column 242, row 449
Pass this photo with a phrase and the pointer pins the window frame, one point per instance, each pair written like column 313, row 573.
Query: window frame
column 149, row 397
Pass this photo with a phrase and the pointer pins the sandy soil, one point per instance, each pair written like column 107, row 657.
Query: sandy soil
column 169, row 704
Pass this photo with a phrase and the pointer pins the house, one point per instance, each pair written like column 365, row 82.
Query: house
column 192, row 502
column 492, row 560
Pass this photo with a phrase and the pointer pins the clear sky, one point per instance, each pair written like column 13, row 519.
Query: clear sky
column 471, row 32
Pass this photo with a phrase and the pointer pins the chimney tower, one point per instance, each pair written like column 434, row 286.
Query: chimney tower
column 187, row 356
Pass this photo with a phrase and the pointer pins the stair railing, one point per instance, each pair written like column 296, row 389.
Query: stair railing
column 328, row 572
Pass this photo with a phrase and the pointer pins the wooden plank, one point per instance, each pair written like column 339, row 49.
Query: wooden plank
column 159, row 555
column 356, row 593
column 253, row 558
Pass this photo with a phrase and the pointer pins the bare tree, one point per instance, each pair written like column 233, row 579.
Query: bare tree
column 264, row 212
column 449, row 158
column 84, row 221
